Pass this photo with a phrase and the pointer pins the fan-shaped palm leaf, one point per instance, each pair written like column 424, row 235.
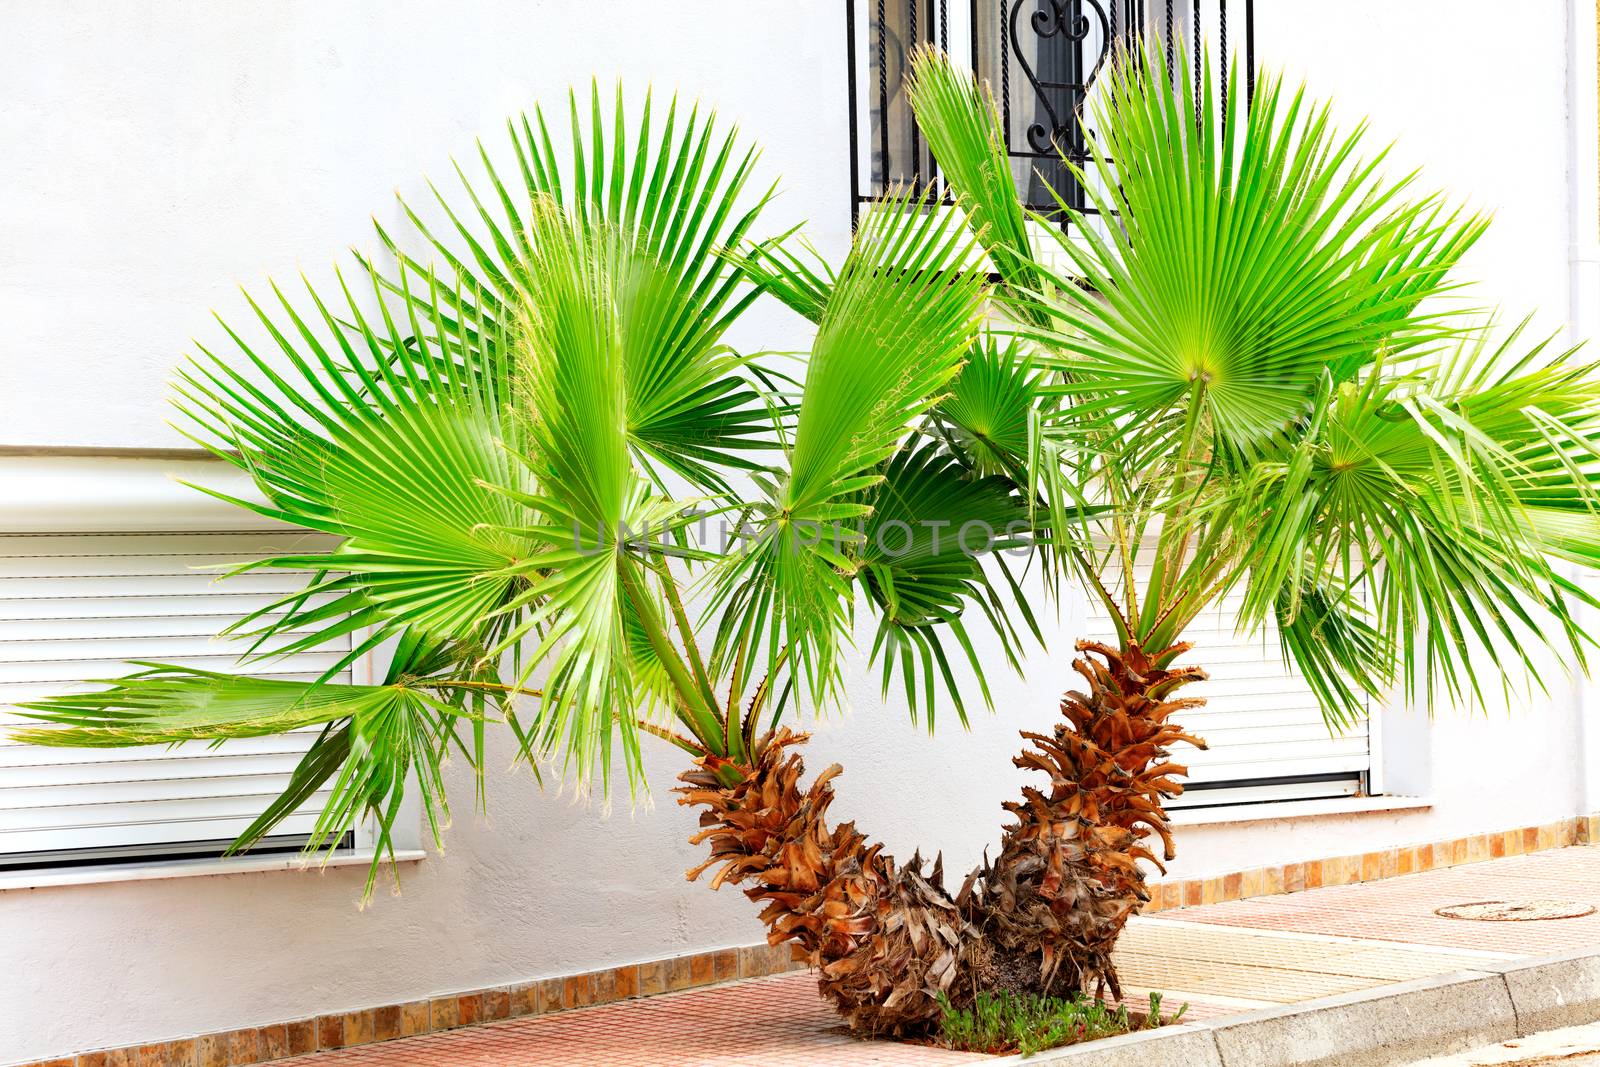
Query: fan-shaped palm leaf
column 903, row 313
column 674, row 200
column 377, row 738
column 1251, row 254
column 932, row 523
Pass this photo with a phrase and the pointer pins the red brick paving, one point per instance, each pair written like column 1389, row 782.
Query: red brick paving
column 1401, row 909
column 762, row 1022
column 782, row 1022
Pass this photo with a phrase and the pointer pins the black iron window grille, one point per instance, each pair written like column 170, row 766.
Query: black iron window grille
column 1039, row 57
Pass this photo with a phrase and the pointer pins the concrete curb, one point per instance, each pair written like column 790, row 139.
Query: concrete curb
column 1549, row 992
column 1392, row 1024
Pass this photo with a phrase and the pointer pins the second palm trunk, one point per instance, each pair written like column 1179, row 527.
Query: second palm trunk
column 887, row 940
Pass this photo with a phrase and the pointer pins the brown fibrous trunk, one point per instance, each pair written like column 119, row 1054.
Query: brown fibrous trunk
column 1067, row 878
column 888, row 940
column 884, row 939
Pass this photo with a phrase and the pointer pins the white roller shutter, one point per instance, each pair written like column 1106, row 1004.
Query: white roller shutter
column 76, row 606
column 1266, row 734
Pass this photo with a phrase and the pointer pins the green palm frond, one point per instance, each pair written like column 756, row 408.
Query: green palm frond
column 165, row 705
column 387, row 438
column 1252, row 253
column 443, row 556
column 904, row 312
column 962, row 124
column 920, row 562
column 902, row 317
column 1446, row 492
column 1338, row 650
column 376, row 740
column 992, row 407
column 803, row 282
column 590, row 500
column 676, row 200
column 571, row 370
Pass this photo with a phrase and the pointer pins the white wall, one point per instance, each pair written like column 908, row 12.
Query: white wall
column 157, row 154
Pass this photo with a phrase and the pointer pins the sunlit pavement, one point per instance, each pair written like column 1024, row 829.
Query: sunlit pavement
column 1575, row 1046
column 1220, row 959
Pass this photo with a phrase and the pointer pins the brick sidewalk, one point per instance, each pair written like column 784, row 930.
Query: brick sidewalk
column 1401, row 909
column 1222, row 959
column 760, row 1022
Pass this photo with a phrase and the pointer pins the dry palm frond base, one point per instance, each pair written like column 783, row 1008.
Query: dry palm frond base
column 894, row 950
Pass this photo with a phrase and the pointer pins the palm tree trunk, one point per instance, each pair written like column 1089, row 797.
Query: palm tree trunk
column 887, row 940
column 1067, row 878
column 884, row 939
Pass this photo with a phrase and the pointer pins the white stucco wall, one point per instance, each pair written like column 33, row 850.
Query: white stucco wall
column 159, row 153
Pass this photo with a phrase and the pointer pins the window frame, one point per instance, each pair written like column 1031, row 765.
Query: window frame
column 69, row 491
column 955, row 28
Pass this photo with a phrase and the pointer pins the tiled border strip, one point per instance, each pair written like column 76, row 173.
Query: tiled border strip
column 1370, row 866
column 238, row 1048
column 261, row 1044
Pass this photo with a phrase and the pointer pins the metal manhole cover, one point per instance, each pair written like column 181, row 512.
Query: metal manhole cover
column 1516, row 910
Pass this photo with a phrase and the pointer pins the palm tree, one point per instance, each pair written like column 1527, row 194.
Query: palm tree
column 1247, row 378
column 1264, row 381
column 512, row 441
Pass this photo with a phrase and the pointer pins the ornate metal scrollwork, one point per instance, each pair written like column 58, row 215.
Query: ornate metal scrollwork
column 1071, row 22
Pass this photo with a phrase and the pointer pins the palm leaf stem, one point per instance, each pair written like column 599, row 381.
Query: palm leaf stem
column 1124, row 542
column 733, row 745
column 694, row 748
column 692, row 708
column 1173, row 542
column 1202, row 590
column 758, row 701
column 494, row 687
column 1091, row 575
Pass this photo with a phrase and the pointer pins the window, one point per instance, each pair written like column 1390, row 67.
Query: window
column 74, row 606
column 1040, row 57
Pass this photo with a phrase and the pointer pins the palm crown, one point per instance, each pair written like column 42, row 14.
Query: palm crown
column 1264, row 379
column 511, row 446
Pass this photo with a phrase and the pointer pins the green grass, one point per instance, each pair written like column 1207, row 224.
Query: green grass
column 999, row 1023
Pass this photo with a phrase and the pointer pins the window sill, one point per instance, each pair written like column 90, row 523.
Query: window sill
column 120, row 494
column 1295, row 809
column 144, row 872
